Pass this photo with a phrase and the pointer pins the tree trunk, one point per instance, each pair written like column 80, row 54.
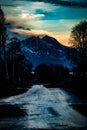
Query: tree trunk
column 0, row 62
column 13, row 75
column 6, row 66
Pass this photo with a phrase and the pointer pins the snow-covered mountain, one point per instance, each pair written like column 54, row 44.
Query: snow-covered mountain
column 44, row 50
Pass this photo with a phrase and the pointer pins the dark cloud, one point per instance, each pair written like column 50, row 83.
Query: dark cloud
column 21, row 27
column 9, row 5
column 66, row 3
column 70, row 3
column 11, row 25
column 45, row 13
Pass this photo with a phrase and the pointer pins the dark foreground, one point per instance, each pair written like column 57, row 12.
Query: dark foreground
column 42, row 108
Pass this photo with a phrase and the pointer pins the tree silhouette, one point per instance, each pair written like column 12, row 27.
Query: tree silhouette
column 43, row 73
column 3, row 36
column 14, row 47
column 79, row 35
column 79, row 40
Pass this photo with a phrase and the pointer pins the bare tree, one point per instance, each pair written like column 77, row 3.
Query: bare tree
column 78, row 39
column 79, row 35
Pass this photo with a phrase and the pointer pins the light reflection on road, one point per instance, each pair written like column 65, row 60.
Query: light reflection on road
column 45, row 109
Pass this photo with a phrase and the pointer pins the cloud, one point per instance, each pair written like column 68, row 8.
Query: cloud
column 13, row 20
column 31, row 16
column 70, row 3
column 7, row 3
column 62, row 37
column 25, row 20
column 59, row 29
column 43, row 17
column 30, row 32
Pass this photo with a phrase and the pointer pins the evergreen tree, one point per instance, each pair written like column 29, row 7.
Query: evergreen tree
column 14, row 47
column 3, row 36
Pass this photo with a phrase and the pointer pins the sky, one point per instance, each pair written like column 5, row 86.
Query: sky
column 44, row 17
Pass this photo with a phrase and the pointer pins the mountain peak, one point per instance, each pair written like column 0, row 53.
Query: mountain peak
column 52, row 41
column 44, row 50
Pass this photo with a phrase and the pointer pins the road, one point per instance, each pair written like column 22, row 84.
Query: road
column 44, row 109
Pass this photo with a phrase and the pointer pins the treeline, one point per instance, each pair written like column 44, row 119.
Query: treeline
column 51, row 74
column 18, row 71
column 78, row 56
column 14, row 71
